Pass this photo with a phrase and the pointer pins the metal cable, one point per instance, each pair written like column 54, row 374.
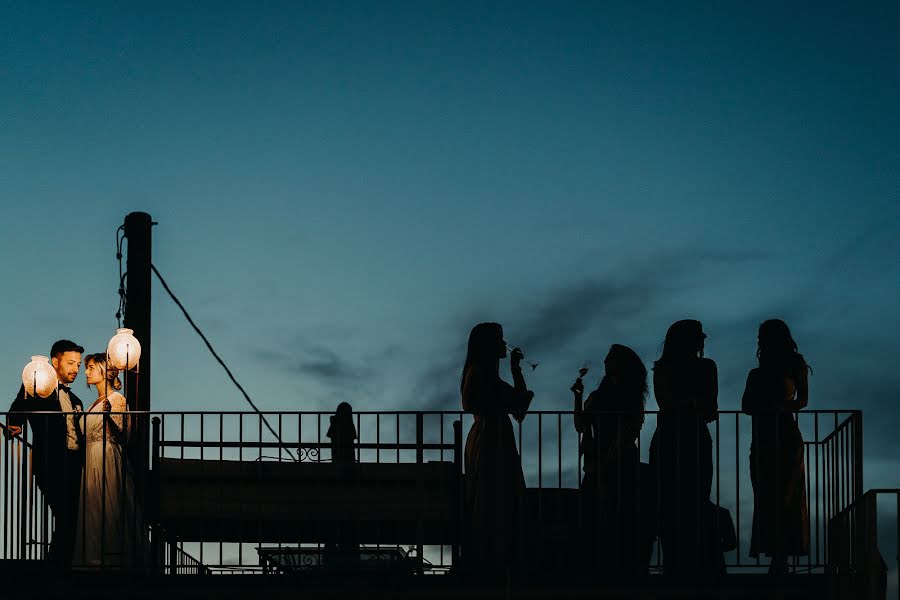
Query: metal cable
column 220, row 361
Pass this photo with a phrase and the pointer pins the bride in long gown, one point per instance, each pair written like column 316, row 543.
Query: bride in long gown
column 110, row 527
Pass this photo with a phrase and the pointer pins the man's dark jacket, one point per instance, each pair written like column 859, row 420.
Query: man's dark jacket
column 48, row 437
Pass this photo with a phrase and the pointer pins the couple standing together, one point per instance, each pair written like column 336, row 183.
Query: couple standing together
column 79, row 463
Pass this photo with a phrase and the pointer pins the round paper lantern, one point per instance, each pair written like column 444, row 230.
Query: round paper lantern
column 39, row 377
column 124, row 351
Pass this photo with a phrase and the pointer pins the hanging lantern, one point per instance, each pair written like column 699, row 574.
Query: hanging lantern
column 124, row 351
column 39, row 377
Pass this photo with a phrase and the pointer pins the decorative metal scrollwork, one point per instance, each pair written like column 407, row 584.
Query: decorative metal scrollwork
column 308, row 454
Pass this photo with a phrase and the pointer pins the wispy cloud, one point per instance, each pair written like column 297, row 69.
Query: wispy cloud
column 548, row 324
column 630, row 292
column 318, row 362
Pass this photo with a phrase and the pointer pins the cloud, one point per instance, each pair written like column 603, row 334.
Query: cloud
column 317, row 362
column 438, row 386
column 859, row 243
column 880, row 420
column 630, row 293
column 551, row 322
column 323, row 374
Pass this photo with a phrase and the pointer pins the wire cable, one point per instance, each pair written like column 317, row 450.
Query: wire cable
column 220, row 361
column 120, row 240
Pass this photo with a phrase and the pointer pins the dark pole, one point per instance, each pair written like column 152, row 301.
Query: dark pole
column 137, row 318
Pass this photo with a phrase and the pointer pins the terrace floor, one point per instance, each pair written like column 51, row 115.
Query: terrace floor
column 72, row 586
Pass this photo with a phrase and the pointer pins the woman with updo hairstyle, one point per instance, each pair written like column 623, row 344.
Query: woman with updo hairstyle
column 495, row 485
column 775, row 390
column 109, row 531
column 686, row 388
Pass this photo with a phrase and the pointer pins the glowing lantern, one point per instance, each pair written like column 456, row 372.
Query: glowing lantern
column 124, row 351
column 39, row 377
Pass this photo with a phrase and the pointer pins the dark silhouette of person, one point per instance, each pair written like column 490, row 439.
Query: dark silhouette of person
column 495, row 483
column 609, row 423
column 58, row 446
column 774, row 391
column 344, row 551
column 686, row 388
column 342, row 433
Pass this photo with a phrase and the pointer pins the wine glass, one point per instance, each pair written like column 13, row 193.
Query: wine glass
column 578, row 386
column 583, row 370
column 510, row 348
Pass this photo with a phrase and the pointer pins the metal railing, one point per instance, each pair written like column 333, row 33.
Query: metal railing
column 857, row 553
column 406, row 486
column 253, row 490
column 53, row 508
column 180, row 562
column 832, row 450
column 24, row 519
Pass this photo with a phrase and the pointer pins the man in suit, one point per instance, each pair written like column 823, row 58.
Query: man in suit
column 57, row 444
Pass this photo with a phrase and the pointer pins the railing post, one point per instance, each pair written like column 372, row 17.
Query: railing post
column 173, row 557
column 420, row 492
column 458, row 509
column 857, row 455
column 153, row 495
column 23, row 493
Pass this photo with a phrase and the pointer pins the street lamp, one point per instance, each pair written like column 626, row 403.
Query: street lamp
column 39, row 377
column 124, row 351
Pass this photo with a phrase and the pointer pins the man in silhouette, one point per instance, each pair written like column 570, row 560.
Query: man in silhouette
column 57, row 446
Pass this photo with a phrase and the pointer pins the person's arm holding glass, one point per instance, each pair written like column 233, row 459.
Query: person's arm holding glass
column 518, row 396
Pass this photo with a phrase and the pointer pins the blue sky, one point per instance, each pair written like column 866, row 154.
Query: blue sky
column 343, row 190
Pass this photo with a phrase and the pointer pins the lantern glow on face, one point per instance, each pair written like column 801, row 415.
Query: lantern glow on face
column 39, row 377
column 124, row 351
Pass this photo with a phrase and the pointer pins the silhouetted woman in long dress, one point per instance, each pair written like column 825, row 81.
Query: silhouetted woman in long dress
column 496, row 486
column 609, row 422
column 686, row 388
column 774, row 391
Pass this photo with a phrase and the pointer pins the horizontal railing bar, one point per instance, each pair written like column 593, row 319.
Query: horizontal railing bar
column 865, row 496
column 305, row 445
column 851, row 412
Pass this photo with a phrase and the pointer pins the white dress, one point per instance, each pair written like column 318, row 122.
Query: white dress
column 110, row 533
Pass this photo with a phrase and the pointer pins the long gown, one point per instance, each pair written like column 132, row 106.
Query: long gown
column 780, row 512
column 681, row 458
column 495, row 484
column 110, row 529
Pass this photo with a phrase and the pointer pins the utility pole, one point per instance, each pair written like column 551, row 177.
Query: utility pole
column 137, row 318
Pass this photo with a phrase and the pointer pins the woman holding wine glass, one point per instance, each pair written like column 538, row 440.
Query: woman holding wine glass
column 609, row 423
column 495, row 483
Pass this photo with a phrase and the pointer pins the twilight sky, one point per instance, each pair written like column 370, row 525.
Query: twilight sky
column 343, row 190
